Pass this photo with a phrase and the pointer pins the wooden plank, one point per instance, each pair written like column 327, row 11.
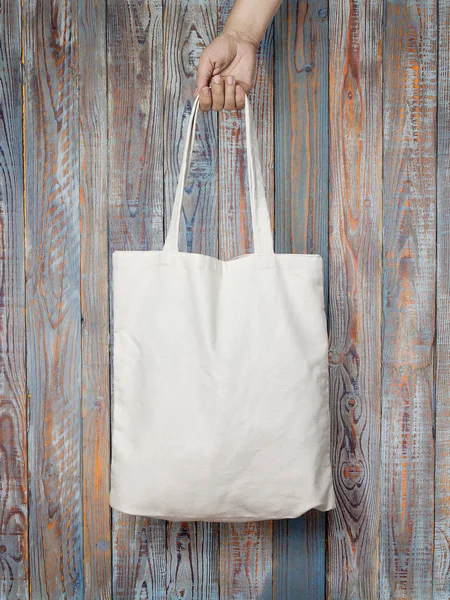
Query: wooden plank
column 192, row 548
column 94, row 300
column 301, row 226
column 192, row 561
column 13, row 401
column 409, row 262
column 188, row 27
column 301, row 127
column 299, row 558
column 135, row 175
column 53, row 299
column 245, row 548
column 441, row 571
column 355, row 244
column 139, row 558
column 246, row 561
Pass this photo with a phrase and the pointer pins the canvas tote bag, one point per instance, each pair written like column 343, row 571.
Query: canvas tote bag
column 220, row 385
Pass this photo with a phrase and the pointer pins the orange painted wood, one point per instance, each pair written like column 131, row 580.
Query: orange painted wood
column 135, row 191
column 355, row 292
column 192, row 562
column 94, row 294
column 301, row 226
column 53, row 312
column 246, row 560
column 352, row 117
column 189, row 27
column 441, row 559
column 407, row 450
column 14, row 550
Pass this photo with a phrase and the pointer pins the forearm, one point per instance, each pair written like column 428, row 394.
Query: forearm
column 249, row 19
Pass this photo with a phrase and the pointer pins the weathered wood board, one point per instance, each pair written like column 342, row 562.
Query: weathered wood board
column 135, row 218
column 355, row 293
column 301, row 226
column 53, row 299
column 14, row 546
column 441, row 563
column 407, row 453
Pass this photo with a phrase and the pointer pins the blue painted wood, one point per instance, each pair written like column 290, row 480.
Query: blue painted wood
column 441, row 563
column 381, row 258
column 301, row 226
column 14, row 546
column 94, row 274
column 355, row 290
column 135, row 218
column 53, row 300
column 407, row 449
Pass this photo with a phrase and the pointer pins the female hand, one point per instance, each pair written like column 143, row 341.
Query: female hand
column 228, row 66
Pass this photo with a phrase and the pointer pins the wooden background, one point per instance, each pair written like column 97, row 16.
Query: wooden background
column 352, row 104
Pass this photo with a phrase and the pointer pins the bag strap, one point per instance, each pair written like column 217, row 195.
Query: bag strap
column 262, row 232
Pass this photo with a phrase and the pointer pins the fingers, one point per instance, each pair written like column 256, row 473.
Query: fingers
column 230, row 94
column 218, row 95
column 224, row 93
column 205, row 99
column 204, row 71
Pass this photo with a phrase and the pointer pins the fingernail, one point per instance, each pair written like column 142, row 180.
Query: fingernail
column 217, row 79
column 206, row 91
column 230, row 80
column 195, row 91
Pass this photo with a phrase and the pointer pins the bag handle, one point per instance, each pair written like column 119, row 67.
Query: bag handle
column 262, row 232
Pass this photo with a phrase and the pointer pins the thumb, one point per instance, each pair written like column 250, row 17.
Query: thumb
column 204, row 72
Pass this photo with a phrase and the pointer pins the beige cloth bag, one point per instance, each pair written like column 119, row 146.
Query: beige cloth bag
column 221, row 399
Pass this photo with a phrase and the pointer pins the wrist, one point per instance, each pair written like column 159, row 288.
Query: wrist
column 241, row 35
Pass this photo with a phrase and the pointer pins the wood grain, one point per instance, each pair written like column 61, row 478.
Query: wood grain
column 192, row 561
column 299, row 558
column 246, row 560
column 301, row 127
column 53, row 300
column 352, row 121
column 139, row 558
column 355, row 250
column 189, row 27
column 409, row 262
column 301, row 226
column 135, row 176
column 94, row 300
column 441, row 562
column 13, row 400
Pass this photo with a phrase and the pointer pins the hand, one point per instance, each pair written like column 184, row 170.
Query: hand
column 228, row 66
